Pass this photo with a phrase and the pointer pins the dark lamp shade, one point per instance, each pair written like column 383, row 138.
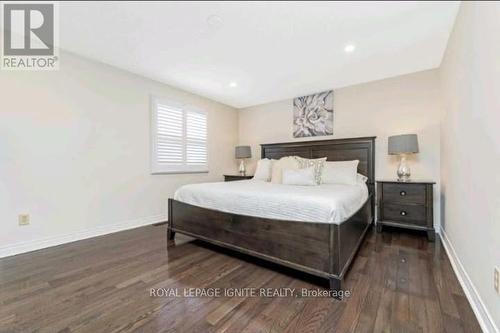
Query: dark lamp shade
column 243, row 152
column 403, row 144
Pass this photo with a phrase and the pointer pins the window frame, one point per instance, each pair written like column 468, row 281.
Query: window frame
column 157, row 168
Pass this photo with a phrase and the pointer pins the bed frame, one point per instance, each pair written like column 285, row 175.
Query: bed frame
column 322, row 249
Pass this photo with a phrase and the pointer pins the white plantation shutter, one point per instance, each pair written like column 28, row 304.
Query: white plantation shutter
column 196, row 138
column 169, row 135
column 179, row 138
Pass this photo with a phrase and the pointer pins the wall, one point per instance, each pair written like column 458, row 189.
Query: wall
column 470, row 145
column 404, row 104
column 75, row 152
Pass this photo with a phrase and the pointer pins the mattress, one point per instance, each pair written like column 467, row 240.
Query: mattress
column 326, row 203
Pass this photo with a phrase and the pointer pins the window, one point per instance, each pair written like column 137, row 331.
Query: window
column 179, row 138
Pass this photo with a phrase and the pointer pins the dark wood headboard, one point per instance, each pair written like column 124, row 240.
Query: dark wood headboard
column 362, row 149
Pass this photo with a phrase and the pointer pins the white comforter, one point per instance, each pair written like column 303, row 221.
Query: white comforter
column 327, row 203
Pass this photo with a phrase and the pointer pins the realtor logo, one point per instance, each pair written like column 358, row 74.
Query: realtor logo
column 29, row 36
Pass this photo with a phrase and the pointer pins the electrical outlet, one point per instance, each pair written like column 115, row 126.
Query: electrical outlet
column 24, row 219
column 496, row 280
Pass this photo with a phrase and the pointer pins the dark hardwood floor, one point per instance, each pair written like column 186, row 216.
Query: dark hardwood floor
column 399, row 283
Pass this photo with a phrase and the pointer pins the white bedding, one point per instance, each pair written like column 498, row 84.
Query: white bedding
column 327, row 203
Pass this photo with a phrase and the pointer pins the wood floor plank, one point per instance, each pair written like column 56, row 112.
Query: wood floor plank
column 368, row 314
column 416, row 297
column 399, row 283
column 469, row 322
column 250, row 308
column 279, row 313
column 383, row 317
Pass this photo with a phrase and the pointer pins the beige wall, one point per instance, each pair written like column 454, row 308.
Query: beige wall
column 470, row 75
column 75, row 152
column 405, row 104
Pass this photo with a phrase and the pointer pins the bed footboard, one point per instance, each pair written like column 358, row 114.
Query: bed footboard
column 321, row 249
column 300, row 245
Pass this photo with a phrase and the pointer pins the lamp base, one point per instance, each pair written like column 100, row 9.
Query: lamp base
column 403, row 170
column 403, row 180
column 242, row 169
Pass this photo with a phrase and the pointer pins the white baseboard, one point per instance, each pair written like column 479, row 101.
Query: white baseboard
column 37, row 244
column 483, row 316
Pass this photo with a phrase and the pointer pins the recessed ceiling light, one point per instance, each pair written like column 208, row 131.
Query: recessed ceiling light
column 233, row 84
column 214, row 21
column 349, row 48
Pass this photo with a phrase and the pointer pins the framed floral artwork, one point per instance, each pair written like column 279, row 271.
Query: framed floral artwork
column 313, row 115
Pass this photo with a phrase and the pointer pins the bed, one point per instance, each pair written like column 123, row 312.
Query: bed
column 315, row 230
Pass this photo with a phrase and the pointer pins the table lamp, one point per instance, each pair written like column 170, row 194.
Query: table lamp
column 403, row 145
column 242, row 152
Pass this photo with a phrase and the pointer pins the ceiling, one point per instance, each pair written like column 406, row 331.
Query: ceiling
column 269, row 50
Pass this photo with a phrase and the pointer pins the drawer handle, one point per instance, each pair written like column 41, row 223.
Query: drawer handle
column 402, row 193
column 403, row 213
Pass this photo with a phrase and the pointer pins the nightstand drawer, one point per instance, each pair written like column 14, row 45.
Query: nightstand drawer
column 404, row 193
column 414, row 214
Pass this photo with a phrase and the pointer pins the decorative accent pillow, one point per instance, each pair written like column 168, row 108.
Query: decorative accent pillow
column 299, row 177
column 263, row 170
column 288, row 162
column 317, row 163
column 341, row 172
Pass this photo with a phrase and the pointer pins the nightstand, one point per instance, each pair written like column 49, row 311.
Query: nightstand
column 230, row 178
column 406, row 205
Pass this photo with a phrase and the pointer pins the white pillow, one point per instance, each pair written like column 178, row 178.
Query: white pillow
column 299, row 177
column 317, row 163
column 340, row 172
column 263, row 170
column 288, row 162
